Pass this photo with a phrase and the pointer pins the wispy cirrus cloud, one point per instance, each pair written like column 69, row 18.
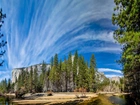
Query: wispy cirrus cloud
column 36, row 30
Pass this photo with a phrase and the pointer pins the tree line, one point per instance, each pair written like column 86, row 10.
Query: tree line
column 6, row 86
column 74, row 72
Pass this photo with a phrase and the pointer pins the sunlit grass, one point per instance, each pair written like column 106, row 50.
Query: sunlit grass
column 101, row 100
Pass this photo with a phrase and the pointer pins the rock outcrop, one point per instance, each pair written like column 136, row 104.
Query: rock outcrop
column 115, row 79
column 16, row 72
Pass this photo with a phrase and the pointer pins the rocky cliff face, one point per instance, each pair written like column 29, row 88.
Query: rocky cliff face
column 16, row 72
column 115, row 79
column 99, row 76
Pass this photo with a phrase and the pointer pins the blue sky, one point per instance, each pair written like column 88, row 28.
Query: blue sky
column 37, row 29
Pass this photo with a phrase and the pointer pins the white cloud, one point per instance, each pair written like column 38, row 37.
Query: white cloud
column 109, row 70
column 33, row 35
column 109, row 76
column 102, row 36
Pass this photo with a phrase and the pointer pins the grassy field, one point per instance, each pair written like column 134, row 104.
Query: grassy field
column 67, row 99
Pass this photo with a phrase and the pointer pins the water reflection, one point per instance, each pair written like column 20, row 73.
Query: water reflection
column 5, row 101
column 121, row 100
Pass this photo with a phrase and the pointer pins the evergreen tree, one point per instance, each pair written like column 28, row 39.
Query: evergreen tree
column 60, row 76
column 51, row 74
column 51, row 71
column 9, row 85
column 70, row 72
column 43, row 73
column 40, row 83
column 3, row 86
column 20, row 80
column 83, row 74
column 27, row 81
column 75, row 68
column 54, row 73
column 47, row 79
column 35, row 78
column 52, row 62
column 126, row 17
column 92, row 70
column 31, row 79
column 65, row 69
column 56, row 67
column 2, row 42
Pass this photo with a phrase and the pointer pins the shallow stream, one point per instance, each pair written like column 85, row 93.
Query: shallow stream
column 121, row 100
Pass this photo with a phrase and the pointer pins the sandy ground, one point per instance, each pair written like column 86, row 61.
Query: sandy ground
column 41, row 98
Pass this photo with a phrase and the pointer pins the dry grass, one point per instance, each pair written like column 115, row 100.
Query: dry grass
column 57, row 99
column 100, row 100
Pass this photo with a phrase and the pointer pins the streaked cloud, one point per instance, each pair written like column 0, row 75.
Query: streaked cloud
column 109, row 76
column 109, row 70
column 36, row 30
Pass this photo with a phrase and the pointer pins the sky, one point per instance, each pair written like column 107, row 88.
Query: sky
column 37, row 29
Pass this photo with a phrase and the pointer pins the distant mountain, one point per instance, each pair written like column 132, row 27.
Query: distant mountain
column 116, row 79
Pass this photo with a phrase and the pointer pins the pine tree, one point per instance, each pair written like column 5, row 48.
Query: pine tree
column 92, row 70
column 9, row 85
column 27, row 81
column 43, row 73
column 20, row 80
column 31, row 79
column 51, row 72
column 52, row 62
column 3, row 86
column 60, row 76
column 83, row 73
column 75, row 68
column 35, row 78
column 2, row 42
column 47, row 79
column 126, row 17
column 65, row 69
column 54, row 73
column 70, row 72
